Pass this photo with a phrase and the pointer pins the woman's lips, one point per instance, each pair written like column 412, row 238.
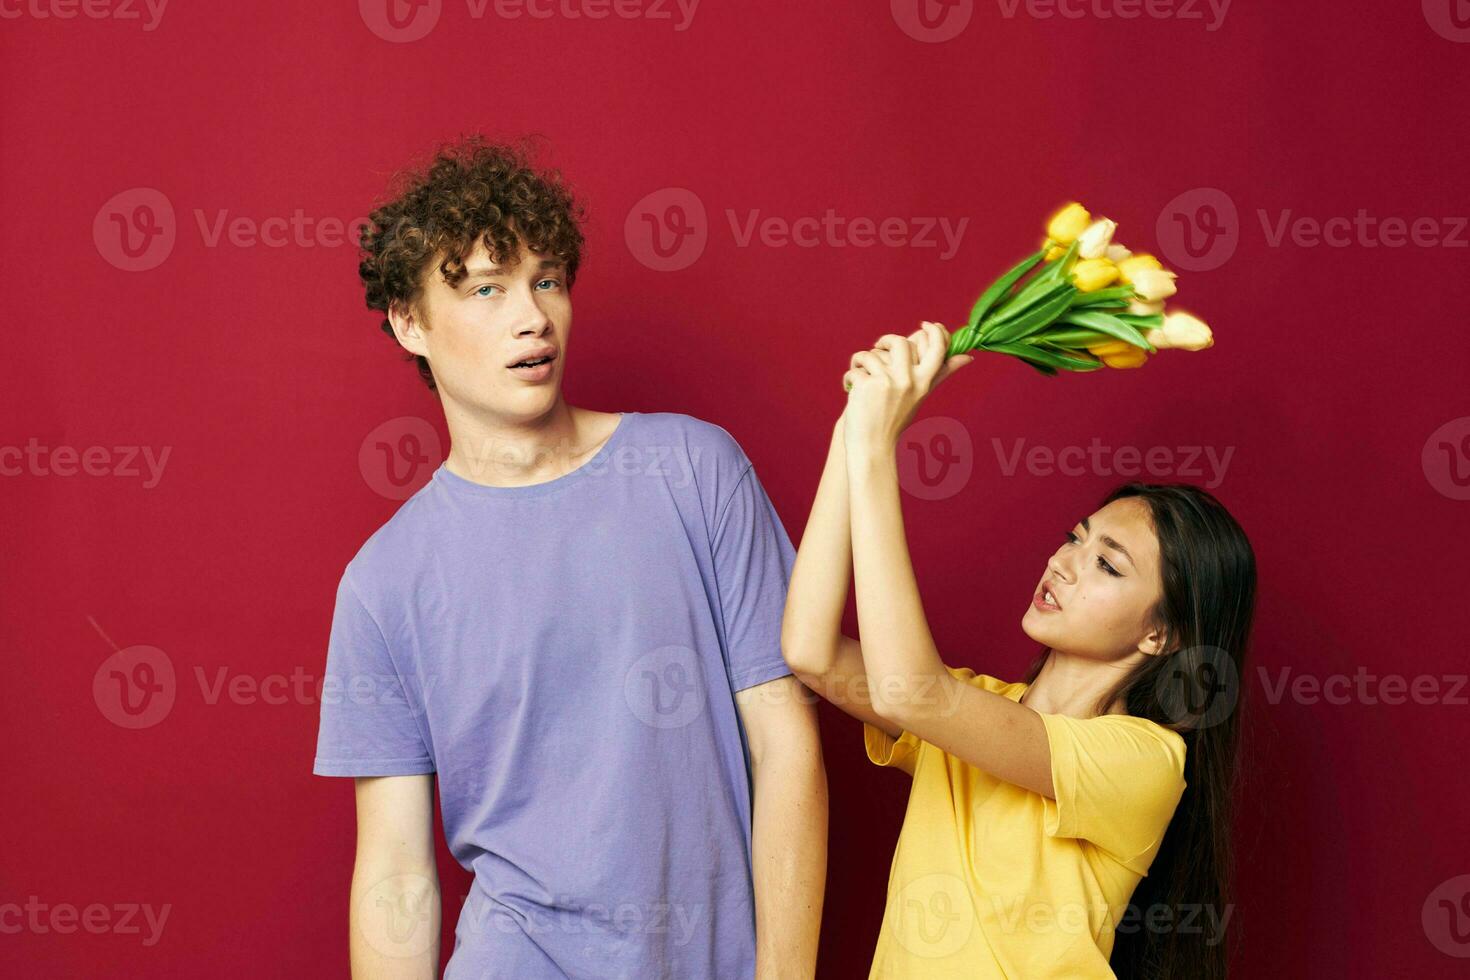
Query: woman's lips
column 1040, row 602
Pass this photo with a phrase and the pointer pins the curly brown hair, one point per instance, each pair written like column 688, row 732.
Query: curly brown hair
column 471, row 190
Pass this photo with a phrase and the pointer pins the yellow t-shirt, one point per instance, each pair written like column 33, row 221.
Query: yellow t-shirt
column 992, row 880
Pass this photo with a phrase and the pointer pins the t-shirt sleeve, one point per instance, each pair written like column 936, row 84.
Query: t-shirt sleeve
column 885, row 750
column 752, row 558
column 1117, row 779
column 369, row 726
column 903, row 752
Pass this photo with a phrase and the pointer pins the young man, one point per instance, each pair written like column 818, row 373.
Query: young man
column 574, row 627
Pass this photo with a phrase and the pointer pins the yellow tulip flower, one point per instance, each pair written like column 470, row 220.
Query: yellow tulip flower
column 1090, row 275
column 1153, row 285
column 1094, row 242
column 1134, row 357
column 1182, row 331
column 1135, row 263
column 1068, row 223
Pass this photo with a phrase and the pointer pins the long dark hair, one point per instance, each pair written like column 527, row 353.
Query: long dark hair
column 1194, row 688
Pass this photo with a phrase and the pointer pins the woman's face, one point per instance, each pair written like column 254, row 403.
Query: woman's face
column 1105, row 580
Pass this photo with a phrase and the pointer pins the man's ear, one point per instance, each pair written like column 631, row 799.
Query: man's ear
column 408, row 327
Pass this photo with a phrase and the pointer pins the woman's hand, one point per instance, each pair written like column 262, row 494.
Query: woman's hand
column 887, row 384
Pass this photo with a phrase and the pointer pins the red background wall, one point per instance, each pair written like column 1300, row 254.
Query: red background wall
column 1337, row 385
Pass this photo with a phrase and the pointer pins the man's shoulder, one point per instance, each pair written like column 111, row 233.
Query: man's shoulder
column 699, row 437
column 391, row 551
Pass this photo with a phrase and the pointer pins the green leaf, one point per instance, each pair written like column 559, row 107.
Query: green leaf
column 1059, row 269
column 1105, row 297
column 1022, row 296
column 1076, row 338
column 1002, row 285
column 1143, row 321
column 1073, row 362
column 1048, row 362
column 1024, row 302
column 961, row 341
column 1039, row 315
column 1109, row 324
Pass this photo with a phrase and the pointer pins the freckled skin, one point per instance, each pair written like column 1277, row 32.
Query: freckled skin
column 1102, row 618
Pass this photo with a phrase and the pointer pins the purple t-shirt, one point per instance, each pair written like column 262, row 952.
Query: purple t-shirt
column 564, row 656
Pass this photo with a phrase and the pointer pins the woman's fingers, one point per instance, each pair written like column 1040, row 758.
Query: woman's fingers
column 902, row 355
column 936, row 343
column 865, row 364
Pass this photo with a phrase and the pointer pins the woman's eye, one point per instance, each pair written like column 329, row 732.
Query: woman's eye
column 1103, row 564
column 1071, row 537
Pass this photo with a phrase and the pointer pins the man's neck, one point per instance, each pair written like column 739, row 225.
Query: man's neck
column 514, row 453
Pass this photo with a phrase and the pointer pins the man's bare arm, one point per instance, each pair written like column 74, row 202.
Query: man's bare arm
column 394, row 917
column 790, row 826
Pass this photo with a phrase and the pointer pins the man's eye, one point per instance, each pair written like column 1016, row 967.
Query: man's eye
column 554, row 282
column 486, row 286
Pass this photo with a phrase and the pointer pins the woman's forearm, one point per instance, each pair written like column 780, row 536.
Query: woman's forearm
column 898, row 649
column 817, row 593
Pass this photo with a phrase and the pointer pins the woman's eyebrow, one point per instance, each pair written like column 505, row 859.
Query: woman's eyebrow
column 1111, row 543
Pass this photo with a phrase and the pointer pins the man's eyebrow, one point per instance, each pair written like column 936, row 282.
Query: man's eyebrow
column 1111, row 543
column 495, row 270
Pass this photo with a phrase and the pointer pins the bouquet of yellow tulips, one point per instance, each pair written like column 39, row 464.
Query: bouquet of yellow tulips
column 1091, row 304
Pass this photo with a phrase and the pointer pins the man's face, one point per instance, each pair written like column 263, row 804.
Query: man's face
column 497, row 316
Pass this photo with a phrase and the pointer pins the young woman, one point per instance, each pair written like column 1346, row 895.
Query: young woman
column 1075, row 824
